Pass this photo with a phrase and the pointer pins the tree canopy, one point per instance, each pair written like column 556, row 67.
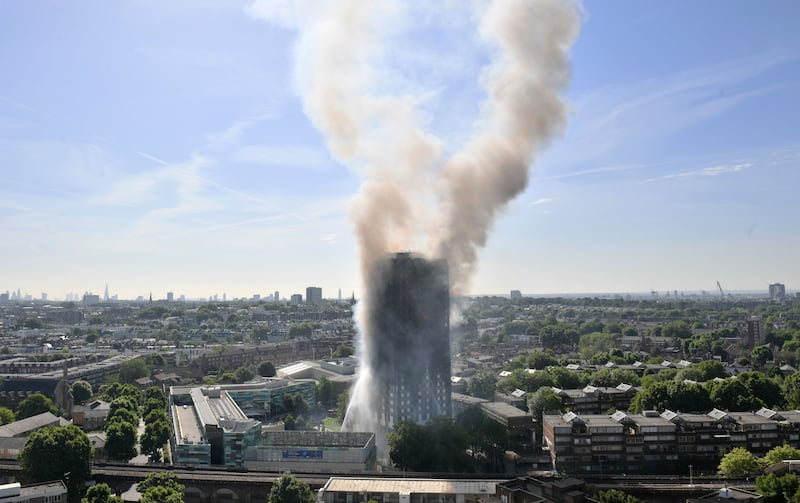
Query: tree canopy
column 738, row 463
column 100, row 493
column 162, row 487
column 290, row 489
column 81, row 391
column 34, row 404
column 58, row 453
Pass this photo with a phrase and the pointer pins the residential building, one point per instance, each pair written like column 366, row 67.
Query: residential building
column 296, row 299
column 661, row 443
column 48, row 492
column 410, row 338
column 313, row 295
column 92, row 416
column 777, row 292
column 596, row 399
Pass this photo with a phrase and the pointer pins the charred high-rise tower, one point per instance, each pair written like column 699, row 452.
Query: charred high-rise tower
column 409, row 317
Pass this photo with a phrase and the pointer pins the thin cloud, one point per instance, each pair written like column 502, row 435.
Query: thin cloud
column 151, row 157
column 618, row 120
column 297, row 156
column 710, row 171
column 543, row 200
column 232, row 135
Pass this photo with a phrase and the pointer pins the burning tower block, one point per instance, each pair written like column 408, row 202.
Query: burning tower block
column 409, row 346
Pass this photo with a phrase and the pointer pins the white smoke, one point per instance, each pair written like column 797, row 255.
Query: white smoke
column 412, row 196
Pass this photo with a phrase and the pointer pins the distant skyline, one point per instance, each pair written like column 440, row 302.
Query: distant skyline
column 162, row 146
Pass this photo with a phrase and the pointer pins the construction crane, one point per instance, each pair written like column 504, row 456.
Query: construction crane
column 720, row 290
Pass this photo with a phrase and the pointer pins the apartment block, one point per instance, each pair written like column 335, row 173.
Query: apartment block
column 650, row 442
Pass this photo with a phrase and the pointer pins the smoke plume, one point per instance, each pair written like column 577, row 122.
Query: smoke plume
column 414, row 196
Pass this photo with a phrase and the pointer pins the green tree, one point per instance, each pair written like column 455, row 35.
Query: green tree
column 34, row 404
column 410, row 446
column 732, row 395
column 482, row 384
column 791, row 390
column 155, row 393
column 6, row 415
column 778, row 489
column 244, row 374
column 156, row 434
column 162, row 487
column 133, row 369
column 81, row 391
column 290, row 489
column 343, row 351
column 100, row 493
column 760, row 356
column 738, row 463
column 121, row 440
column 596, row 342
column 617, row 496
column 266, row 369
column 703, row 371
column 673, row 395
column 58, row 453
column 341, row 405
column 676, row 330
column 324, row 391
column 763, row 387
column 161, row 495
column 779, row 453
column 449, row 445
column 112, row 391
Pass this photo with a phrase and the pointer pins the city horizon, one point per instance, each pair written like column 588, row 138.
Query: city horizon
column 221, row 296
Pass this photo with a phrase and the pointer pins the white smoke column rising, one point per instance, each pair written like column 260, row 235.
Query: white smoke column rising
column 407, row 183
column 522, row 112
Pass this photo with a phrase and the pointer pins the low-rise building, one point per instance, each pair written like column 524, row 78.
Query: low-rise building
column 661, row 443
column 323, row 451
column 406, row 490
column 48, row 492
column 92, row 416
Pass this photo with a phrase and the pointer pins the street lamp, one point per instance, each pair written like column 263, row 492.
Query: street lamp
column 690, row 476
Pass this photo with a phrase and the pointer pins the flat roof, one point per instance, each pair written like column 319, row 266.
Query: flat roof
column 187, row 425
column 411, row 486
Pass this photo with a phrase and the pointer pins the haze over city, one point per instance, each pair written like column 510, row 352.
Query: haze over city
column 164, row 147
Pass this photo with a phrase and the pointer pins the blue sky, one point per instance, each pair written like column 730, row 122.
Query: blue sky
column 162, row 146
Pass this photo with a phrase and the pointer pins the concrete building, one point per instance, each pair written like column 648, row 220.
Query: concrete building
column 391, row 490
column 519, row 425
column 48, row 492
column 410, row 330
column 319, row 451
column 216, row 426
column 777, row 292
column 313, row 295
column 210, row 428
column 661, row 443
column 596, row 399
column 296, row 299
